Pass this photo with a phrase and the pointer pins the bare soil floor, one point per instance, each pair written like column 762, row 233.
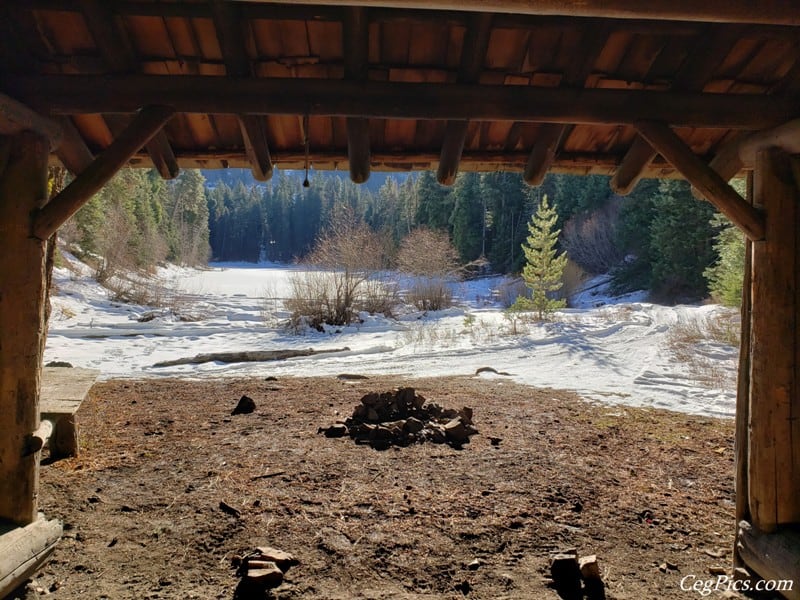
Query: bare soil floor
column 649, row 492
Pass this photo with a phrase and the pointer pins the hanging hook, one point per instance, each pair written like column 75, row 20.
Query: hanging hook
column 306, row 183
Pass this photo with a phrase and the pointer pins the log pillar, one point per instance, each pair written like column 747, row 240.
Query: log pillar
column 23, row 189
column 773, row 445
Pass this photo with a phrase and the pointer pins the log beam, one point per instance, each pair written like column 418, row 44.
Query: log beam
column 15, row 118
column 773, row 474
column 158, row 148
column 543, row 154
column 144, row 126
column 710, row 184
column 356, row 54
column 24, row 549
column 228, row 22
column 773, row 556
column 473, row 53
column 632, row 167
column 775, row 12
column 78, row 94
column 73, row 152
column 23, row 189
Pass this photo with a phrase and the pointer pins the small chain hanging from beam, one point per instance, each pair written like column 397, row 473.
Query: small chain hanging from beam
column 306, row 183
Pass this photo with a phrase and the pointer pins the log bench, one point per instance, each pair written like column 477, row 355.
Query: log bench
column 62, row 392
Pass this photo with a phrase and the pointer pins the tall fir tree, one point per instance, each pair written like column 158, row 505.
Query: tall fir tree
column 544, row 267
column 467, row 219
column 435, row 202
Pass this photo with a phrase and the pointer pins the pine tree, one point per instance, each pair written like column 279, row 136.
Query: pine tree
column 544, row 266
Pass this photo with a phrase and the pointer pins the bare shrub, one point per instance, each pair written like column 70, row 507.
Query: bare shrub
column 429, row 256
column 348, row 255
column 430, row 294
column 590, row 240
column 508, row 291
column 573, row 278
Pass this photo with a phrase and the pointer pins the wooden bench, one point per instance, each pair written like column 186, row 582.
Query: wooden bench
column 63, row 391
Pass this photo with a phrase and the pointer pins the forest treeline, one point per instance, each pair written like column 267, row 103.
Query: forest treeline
column 659, row 238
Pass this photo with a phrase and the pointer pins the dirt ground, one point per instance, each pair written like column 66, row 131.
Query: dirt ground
column 649, row 492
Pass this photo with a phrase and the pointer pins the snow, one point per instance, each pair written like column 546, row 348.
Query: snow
column 607, row 349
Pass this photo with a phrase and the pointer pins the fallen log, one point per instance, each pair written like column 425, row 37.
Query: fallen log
column 246, row 356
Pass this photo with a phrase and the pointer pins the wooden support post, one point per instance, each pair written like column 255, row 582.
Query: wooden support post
column 543, row 153
column 773, row 475
column 743, row 389
column 700, row 175
column 632, row 167
column 143, row 127
column 23, row 189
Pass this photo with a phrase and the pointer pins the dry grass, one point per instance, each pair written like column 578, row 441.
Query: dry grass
column 691, row 342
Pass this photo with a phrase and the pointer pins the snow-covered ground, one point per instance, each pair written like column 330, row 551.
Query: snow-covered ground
column 610, row 350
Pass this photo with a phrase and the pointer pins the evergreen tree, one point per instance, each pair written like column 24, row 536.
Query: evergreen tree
column 681, row 242
column 725, row 276
column 467, row 217
column 434, row 202
column 544, row 267
column 509, row 206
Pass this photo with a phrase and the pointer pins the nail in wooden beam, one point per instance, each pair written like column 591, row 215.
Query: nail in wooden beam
column 228, row 22
column 116, row 49
column 356, row 53
column 632, row 167
column 73, row 152
column 543, row 154
column 704, row 178
column 473, row 53
column 144, row 126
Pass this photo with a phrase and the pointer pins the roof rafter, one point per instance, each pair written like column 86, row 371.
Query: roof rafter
column 116, row 50
column 355, row 37
column 144, row 126
column 704, row 178
column 473, row 53
column 228, row 21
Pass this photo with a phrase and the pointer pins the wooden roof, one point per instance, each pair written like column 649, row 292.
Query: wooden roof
column 401, row 85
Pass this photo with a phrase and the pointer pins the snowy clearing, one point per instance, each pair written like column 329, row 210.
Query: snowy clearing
column 612, row 351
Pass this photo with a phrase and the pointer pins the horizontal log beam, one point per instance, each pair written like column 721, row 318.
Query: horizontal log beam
column 776, row 12
column 633, row 166
column 705, row 179
column 15, row 118
column 773, row 556
column 144, row 126
column 77, row 94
